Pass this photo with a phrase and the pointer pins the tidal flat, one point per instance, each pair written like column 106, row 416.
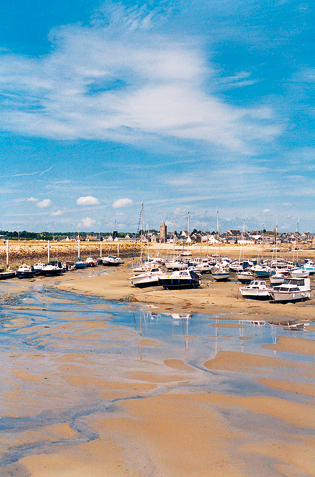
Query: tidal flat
column 130, row 387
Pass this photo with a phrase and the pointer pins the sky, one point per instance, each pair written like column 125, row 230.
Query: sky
column 185, row 106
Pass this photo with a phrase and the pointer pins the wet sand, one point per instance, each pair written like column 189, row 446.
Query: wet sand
column 211, row 298
column 106, row 413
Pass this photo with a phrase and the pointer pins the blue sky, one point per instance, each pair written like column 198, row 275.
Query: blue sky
column 192, row 106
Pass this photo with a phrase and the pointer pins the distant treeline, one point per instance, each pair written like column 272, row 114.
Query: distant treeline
column 25, row 235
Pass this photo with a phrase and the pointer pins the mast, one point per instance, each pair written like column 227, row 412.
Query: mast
column 141, row 251
column 7, row 253
column 48, row 251
column 218, row 233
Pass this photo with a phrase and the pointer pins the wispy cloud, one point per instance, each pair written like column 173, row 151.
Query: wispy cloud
column 118, row 204
column 122, row 81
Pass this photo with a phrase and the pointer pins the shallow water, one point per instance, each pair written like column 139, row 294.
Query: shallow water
column 65, row 357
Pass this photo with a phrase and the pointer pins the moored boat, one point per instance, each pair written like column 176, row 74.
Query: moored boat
column 287, row 292
column 53, row 268
column 309, row 265
column 38, row 267
column 25, row 271
column 147, row 279
column 8, row 273
column 245, row 276
column 220, row 274
column 80, row 264
column 112, row 261
column 180, row 279
column 256, row 289
column 91, row 262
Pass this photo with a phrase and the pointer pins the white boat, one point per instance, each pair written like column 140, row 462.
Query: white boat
column 204, row 266
column 245, row 276
column 304, row 284
column 279, row 276
column 25, row 271
column 38, row 267
column 220, row 273
column 145, row 267
column 287, row 292
column 300, row 272
column 53, row 268
column 256, row 289
column 176, row 265
column 147, row 279
column 112, row 261
column 309, row 265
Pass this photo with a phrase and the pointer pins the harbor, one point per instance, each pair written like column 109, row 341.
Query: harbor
column 100, row 376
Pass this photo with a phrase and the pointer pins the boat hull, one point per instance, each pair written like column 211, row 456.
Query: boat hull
column 220, row 277
column 6, row 275
column 177, row 283
column 21, row 275
column 256, row 294
column 285, row 297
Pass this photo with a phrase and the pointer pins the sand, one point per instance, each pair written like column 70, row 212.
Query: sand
column 103, row 414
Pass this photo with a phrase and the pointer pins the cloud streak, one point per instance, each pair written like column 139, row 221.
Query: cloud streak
column 126, row 85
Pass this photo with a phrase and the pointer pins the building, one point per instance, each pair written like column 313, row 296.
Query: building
column 163, row 233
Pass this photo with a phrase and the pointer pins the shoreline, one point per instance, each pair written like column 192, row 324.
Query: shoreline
column 212, row 298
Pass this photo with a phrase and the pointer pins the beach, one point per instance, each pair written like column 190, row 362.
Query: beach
column 86, row 396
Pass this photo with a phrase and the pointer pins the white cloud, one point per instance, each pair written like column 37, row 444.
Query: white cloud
column 88, row 200
column 44, row 203
column 32, row 199
column 266, row 211
column 122, row 81
column 118, row 204
column 56, row 213
column 87, row 223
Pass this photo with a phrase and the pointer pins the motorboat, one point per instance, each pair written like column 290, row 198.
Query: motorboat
column 38, row 267
column 25, row 271
column 256, row 289
column 112, row 261
column 204, row 266
column 91, row 262
column 304, row 284
column 220, row 273
column 147, row 279
column 8, row 273
column 146, row 266
column 176, row 264
column 309, row 265
column 287, row 292
column 53, row 268
column 180, row 279
column 300, row 272
column 245, row 276
column 279, row 276
column 261, row 270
